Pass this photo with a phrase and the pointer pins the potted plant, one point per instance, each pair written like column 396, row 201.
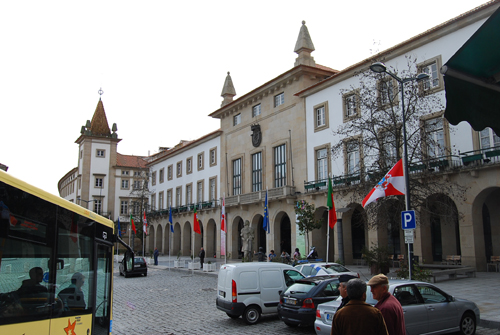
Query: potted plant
column 178, row 263
column 377, row 259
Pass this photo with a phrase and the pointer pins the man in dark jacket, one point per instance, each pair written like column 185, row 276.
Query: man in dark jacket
column 343, row 279
column 155, row 254
column 387, row 304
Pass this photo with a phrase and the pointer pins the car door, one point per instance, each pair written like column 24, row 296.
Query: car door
column 441, row 312
column 414, row 309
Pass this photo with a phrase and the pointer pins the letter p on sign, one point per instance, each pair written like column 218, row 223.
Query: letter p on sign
column 408, row 219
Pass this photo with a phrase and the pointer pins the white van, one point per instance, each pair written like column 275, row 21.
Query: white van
column 252, row 289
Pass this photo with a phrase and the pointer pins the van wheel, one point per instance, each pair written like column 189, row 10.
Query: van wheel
column 233, row 316
column 251, row 315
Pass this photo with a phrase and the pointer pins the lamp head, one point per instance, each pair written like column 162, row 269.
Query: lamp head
column 422, row 76
column 378, row 67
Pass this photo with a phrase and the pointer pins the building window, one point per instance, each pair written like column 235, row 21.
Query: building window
column 435, row 80
column 321, row 116
column 386, row 92
column 279, row 99
column 137, row 185
column 98, row 182
column 236, row 120
column 123, row 207
column 237, row 176
column 160, row 200
column 169, row 172
column 179, row 169
column 98, row 206
column 389, row 150
column 189, row 165
column 199, row 191
column 488, row 138
column 125, row 184
column 81, row 154
column 178, row 197
column 125, row 172
column 153, row 178
column 435, row 137
column 321, row 164
column 201, row 159
column 169, row 198
column 257, row 172
column 153, row 201
column 162, row 175
column 350, row 104
column 352, row 157
column 256, row 110
column 100, row 153
column 280, row 166
column 213, row 189
column 213, row 157
column 189, row 194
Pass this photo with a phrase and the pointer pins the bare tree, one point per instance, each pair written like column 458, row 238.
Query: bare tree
column 140, row 195
column 373, row 126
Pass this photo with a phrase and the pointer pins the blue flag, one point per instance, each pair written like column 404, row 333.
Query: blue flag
column 170, row 219
column 265, row 224
column 119, row 228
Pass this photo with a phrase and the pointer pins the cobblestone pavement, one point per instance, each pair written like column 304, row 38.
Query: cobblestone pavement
column 176, row 302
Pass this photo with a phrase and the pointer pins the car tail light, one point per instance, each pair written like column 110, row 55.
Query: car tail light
column 318, row 316
column 358, row 275
column 281, row 300
column 308, row 303
column 234, row 294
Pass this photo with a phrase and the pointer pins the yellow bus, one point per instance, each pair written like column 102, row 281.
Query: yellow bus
column 56, row 264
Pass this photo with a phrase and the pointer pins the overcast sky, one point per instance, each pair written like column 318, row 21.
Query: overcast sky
column 162, row 64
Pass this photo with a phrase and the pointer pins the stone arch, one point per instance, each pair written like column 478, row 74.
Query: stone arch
column 199, row 240
column 186, row 238
column 319, row 236
column 177, row 239
column 282, row 227
column 485, row 227
column 236, row 226
column 211, row 238
column 260, row 233
column 150, row 244
column 439, row 228
column 159, row 238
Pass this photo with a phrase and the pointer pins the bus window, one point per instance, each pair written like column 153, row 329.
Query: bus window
column 74, row 281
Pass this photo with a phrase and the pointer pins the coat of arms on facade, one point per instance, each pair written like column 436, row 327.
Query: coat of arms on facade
column 256, row 135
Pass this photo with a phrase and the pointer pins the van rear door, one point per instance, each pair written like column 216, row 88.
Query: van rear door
column 272, row 284
column 223, row 288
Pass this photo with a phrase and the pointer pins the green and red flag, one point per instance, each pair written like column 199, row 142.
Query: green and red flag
column 196, row 226
column 332, row 215
column 132, row 223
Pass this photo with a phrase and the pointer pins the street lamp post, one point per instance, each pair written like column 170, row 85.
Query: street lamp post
column 379, row 67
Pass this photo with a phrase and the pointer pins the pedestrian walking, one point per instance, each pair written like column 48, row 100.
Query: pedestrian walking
column 202, row 257
column 358, row 317
column 156, row 253
column 387, row 304
column 296, row 256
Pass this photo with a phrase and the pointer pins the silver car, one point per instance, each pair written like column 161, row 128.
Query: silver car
column 324, row 269
column 427, row 310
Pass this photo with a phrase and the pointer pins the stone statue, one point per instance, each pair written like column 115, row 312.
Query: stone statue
column 246, row 239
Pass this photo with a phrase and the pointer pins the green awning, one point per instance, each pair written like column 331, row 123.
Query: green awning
column 472, row 77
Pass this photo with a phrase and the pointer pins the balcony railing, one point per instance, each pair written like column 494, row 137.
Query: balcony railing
column 254, row 197
column 200, row 207
column 450, row 163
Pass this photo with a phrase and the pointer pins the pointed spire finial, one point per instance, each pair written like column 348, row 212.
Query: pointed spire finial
column 303, row 47
column 228, row 91
column 101, row 92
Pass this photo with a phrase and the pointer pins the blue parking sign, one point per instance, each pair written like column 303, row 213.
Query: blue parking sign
column 408, row 219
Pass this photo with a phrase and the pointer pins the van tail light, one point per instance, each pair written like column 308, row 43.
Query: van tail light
column 308, row 303
column 318, row 316
column 281, row 300
column 234, row 294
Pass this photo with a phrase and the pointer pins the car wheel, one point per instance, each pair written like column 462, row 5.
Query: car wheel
column 126, row 275
column 233, row 316
column 251, row 315
column 146, row 274
column 290, row 324
column 468, row 324
column 121, row 274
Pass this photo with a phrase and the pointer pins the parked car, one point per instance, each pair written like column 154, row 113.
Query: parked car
column 427, row 310
column 140, row 267
column 298, row 303
column 322, row 269
column 252, row 289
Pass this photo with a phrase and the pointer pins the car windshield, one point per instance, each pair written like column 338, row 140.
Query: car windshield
column 300, row 288
column 335, row 268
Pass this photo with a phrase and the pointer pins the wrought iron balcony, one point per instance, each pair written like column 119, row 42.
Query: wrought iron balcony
column 255, row 197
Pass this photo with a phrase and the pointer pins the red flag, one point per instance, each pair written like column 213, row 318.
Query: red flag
column 196, row 226
column 393, row 183
column 133, row 225
column 145, row 224
column 223, row 217
column 332, row 214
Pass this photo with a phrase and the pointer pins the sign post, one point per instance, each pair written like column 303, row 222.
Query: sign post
column 408, row 223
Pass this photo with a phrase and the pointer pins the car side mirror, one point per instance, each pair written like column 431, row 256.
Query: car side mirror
column 451, row 298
